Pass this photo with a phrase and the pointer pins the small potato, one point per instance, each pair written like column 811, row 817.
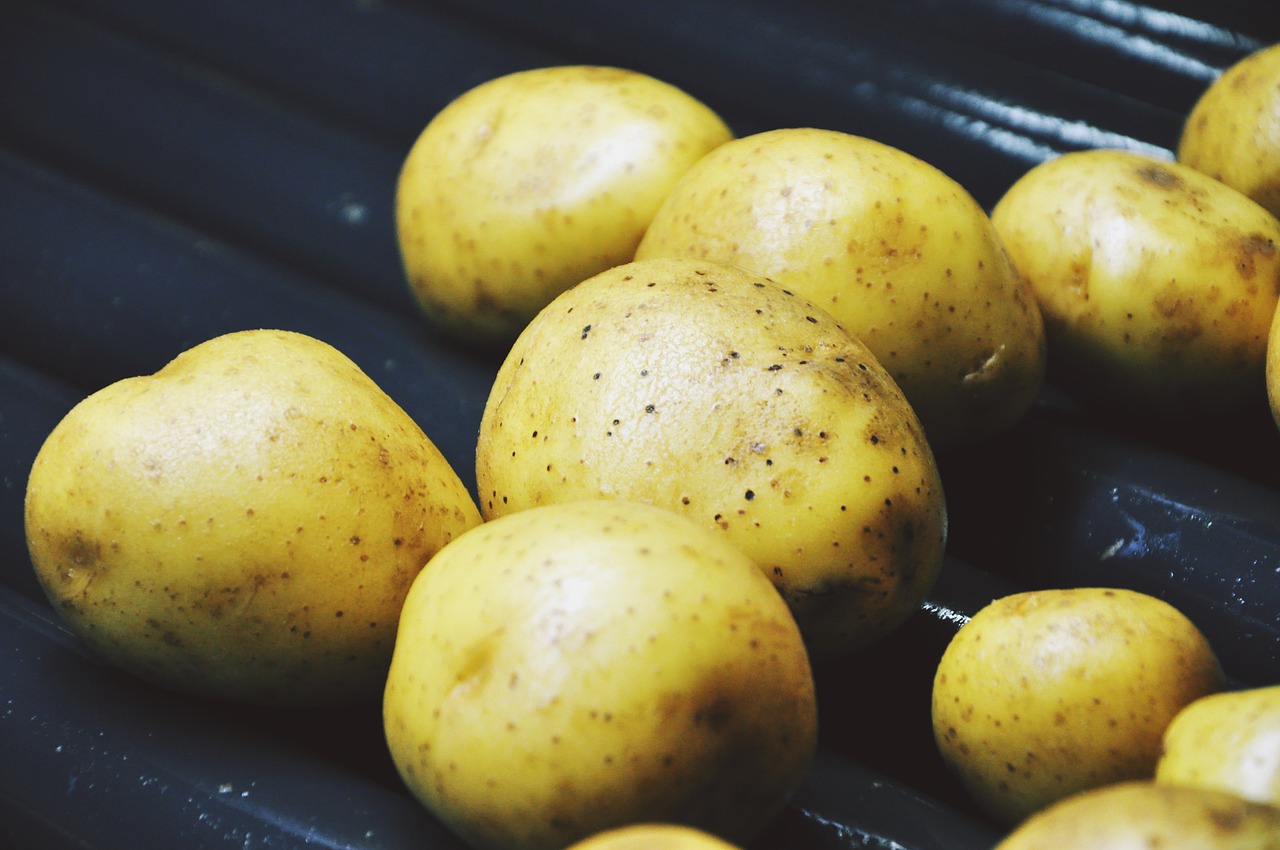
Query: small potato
column 1141, row 815
column 1157, row 283
column 530, row 182
column 581, row 666
column 1233, row 130
column 1046, row 693
column 653, row 836
column 720, row 395
column 897, row 251
column 244, row 523
column 1228, row 741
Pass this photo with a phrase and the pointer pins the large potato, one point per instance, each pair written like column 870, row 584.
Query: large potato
column 1228, row 741
column 722, row 396
column 1144, row 816
column 1046, row 693
column 892, row 247
column 1233, row 130
column 582, row 666
column 530, row 182
column 1157, row 283
column 245, row 523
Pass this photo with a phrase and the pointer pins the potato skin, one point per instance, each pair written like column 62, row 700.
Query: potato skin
column 243, row 524
column 585, row 665
column 891, row 246
column 653, row 836
column 722, row 396
column 1157, row 283
column 1141, row 814
column 1046, row 693
column 530, row 182
column 1228, row 741
column 1233, row 131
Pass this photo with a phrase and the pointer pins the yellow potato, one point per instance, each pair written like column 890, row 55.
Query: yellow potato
column 653, row 836
column 244, row 523
column 581, row 666
column 892, row 247
column 1046, row 693
column 1229, row 742
column 717, row 394
column 530, row 182
column 1271, row 372
column 1141, row 815
column 1157, row 283
column 1233, row 130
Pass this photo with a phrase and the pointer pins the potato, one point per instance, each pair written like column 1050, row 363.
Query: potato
column 653, row 836
column 530, row 182
column 1157, row 283
column 892, row 247
column 1228, row 741
column 1271, row 371
column 1233, row 131
column 1141, row 814
column 243, row 524
column 1046, row 693
column 720, row 395
column 581, row 666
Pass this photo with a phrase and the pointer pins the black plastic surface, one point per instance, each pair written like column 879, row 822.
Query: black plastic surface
column 173, row 171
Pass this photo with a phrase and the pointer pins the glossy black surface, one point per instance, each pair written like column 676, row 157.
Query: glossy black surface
column 173, row 171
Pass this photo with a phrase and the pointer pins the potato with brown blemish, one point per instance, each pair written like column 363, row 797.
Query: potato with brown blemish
column 895, row 249
column 744, row 406
column 1233, row 130
column 1157, row 283
column 1046, row 693
column 1142, row 814
column 529, row 182
column 582, row 666
column 243, row 524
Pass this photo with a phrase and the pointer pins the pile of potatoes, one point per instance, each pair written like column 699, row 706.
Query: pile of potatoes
column 706, row 462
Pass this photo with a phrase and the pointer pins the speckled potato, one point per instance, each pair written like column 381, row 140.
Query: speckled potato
column 1141, row 815
column 244, row 523
column 653, row 836
column 1233, row 130
column 722, row 396
column 892, row 247
column 578, row 667
column 1228, row 741
column 1047, row 693
column 530, row 182
column 1157, row 283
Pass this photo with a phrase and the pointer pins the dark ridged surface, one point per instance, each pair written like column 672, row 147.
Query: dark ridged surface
column 173, row 171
